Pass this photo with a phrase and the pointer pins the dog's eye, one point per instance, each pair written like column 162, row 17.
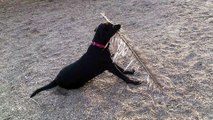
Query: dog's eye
column 107, row 29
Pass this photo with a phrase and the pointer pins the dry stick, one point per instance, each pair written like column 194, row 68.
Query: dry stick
column 136, row 56
column 141, row 62
column 35, row 101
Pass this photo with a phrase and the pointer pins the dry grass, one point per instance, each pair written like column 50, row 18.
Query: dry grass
column 38, row 38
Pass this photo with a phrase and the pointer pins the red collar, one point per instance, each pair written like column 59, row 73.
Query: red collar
column 98, row 45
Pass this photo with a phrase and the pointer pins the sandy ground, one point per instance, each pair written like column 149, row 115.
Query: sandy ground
column 39, row 37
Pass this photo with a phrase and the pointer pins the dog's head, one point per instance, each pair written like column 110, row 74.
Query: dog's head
column 104, row 32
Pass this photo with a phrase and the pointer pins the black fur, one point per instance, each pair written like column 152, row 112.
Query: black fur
column 95, row 61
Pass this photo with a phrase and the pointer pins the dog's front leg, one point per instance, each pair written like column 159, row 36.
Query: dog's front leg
column 125, row 71
column 115, row 70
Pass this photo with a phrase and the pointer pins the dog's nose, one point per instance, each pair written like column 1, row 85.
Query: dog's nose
column 117, row 27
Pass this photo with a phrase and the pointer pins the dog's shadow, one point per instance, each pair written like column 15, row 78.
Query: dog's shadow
column 102, row 94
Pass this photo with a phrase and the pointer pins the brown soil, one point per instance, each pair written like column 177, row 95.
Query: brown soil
column 39, row 37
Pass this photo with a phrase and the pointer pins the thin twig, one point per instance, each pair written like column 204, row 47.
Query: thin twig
column 142, row 63
column 35, row 101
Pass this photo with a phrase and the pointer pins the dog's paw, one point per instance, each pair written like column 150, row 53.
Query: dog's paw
column 135, row 82
column 130, row 72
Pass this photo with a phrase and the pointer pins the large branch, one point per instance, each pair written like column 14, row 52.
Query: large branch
column 142, row 63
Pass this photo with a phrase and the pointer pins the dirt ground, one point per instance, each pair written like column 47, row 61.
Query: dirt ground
column 39, row 37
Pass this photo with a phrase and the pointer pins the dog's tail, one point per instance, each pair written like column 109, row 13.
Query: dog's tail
column 46, row 87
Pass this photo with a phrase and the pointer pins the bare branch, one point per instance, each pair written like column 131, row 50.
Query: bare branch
column 142, row 63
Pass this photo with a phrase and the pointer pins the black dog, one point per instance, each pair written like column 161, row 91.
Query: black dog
column 96, row 60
